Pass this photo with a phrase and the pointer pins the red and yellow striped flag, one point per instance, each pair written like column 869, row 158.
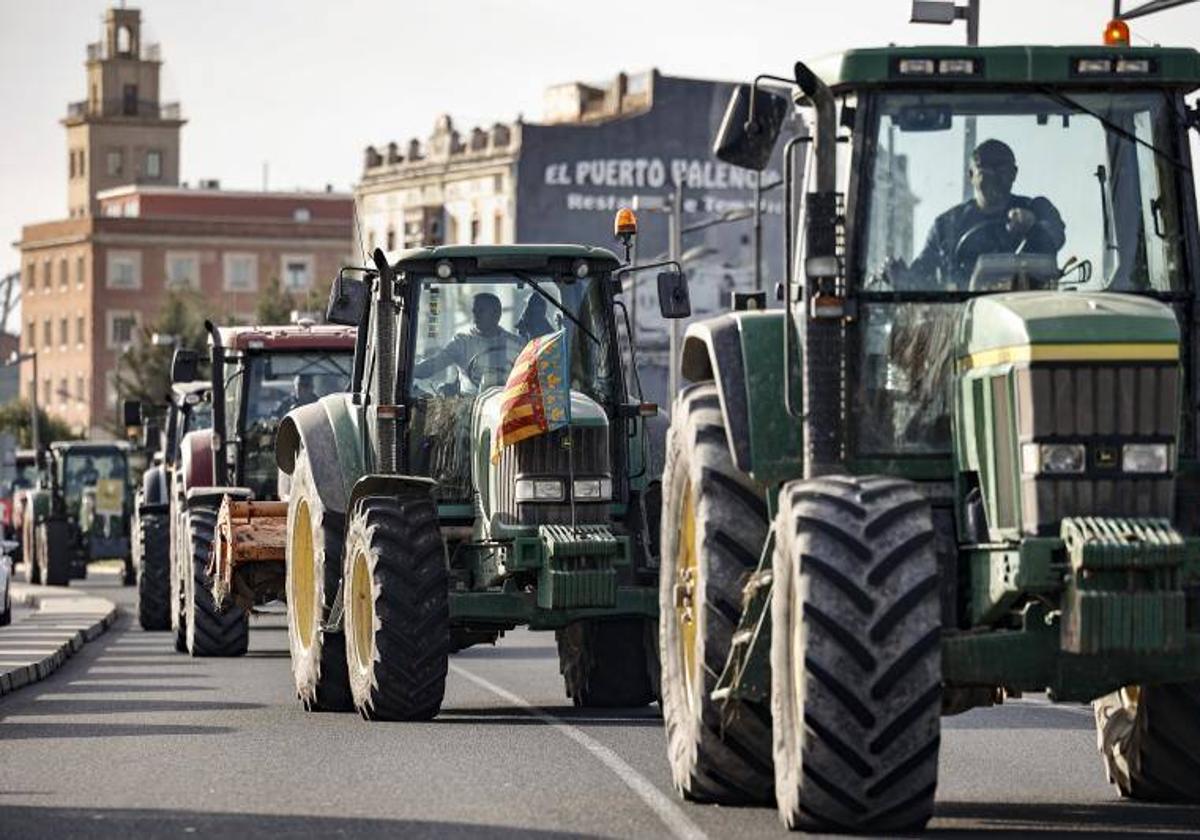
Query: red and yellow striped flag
column 537, row 396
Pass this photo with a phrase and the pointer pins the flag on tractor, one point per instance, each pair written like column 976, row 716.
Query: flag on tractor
column 537, row 396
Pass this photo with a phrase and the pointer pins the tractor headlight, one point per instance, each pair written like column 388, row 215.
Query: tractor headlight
column 1145, row 457
column 539, row 490
column 1054, row 458
column 592, row 489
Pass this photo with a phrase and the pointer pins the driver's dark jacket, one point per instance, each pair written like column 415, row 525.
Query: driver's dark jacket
column 934, row 266
column 499, row 351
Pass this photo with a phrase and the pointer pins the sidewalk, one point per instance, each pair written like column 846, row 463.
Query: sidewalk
column 64, row 620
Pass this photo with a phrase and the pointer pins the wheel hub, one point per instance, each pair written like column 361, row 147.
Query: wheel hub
column 302, row 596
column 686, row 607
column 362, row 608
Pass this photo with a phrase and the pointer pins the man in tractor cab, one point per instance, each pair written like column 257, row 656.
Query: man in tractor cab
column 302, row 394
column 994, row 221
column 486, row 348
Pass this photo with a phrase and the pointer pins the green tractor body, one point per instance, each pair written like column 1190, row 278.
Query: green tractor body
column 970, row 437
column 413, row 534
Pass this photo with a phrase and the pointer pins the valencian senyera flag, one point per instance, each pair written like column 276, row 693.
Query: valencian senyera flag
column 537, row 396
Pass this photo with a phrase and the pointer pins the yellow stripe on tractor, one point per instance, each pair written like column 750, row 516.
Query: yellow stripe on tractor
column 1105, row 352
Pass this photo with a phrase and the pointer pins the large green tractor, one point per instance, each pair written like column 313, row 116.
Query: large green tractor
column 961, row 463
column 411, row 534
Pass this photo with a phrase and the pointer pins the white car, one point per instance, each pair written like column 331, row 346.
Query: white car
column 6, row 568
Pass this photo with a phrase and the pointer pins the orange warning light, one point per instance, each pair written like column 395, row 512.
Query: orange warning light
column 625, row 223
column 1116, row 34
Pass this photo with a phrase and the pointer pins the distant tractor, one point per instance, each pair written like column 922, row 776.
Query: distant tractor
column 188, row 409
column 486, row 470
column 81, row 514
column 962, row 462
column 227, row 522
column 13, row 498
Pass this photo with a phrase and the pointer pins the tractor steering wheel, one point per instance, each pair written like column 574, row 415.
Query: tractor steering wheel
column 991, row 236
column 480, row 365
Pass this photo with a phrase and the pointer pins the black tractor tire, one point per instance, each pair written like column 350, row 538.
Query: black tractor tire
column 29, row 547
column 314, row 573
column 211, row 630
column 397, row 613
column 128, row 572
column 855, row 655
column 1149, row 737
column 719, row 751
column 55, row 552
column 609, row 664
column 152, row 543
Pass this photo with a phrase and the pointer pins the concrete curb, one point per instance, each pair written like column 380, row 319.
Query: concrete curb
column 34, row 647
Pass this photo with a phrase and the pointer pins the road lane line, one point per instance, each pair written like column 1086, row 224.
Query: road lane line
column 662, row 805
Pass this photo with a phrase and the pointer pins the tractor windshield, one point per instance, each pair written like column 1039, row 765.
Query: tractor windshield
column 103, row 470
column 976, row 193
column 468, row 334
column 264, row 387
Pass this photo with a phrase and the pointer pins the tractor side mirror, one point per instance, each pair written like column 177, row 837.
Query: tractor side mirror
column 347, row 301
column 673, row 300
column 748, row 143
column 185, row 365
column 131, row 413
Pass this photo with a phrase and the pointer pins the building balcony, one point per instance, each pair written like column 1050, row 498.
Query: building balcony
column 142, row 108
column 98, row 51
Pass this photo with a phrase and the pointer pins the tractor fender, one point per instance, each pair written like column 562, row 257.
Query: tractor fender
column 154, row 496
column 394, row 486
column 212, row 496
column 196, row 459
column 742, row 352
column 328, row 432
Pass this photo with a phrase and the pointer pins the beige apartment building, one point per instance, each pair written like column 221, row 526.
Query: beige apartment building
column 133, row 232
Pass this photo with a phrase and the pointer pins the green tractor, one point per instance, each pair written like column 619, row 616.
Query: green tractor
column 412, row 533
column 82, row 513
column 962, row 462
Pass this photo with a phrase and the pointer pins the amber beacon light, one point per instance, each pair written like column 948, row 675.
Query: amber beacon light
column 625, row 223
column 1116, row 34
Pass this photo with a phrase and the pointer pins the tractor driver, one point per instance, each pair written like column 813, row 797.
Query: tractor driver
column 994, row 221
column 486, row 347
column 302, row 394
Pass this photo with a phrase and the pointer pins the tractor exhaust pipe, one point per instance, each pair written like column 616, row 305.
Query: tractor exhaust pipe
column 219, row 424
column 821, row 320
column 385, row 364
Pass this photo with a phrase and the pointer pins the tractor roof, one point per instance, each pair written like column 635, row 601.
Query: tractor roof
column 1014, row 65
column 290, row 337
column 501, row 257
column 181, row 390
column 88, row 446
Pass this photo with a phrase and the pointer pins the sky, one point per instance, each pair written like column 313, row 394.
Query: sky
column 304, row 86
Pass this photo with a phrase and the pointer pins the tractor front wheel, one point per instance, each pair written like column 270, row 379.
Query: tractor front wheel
column 314, row 564
column 153, row 572
column 608, row 664
column 856, row 682
column 54, row 552
column 714, row 527
column 397, row 614
column 211, row 631
column 1149, row 737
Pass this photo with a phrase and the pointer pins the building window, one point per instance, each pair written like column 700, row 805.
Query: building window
column 129, row 101
column 297, row 272
column 122, row 328
column 80, row 268
column 474, row 230
column 30, row 275
column 241, row 272
column 115, row 162
column 80, row 330
column 71, row 164
column 63, row 331
column 31, row 335
column 124, row 270
column 153, row 164
column 82, row 164
column 46, row 274
column 301, row 214
column 183, row 270
column 63, row 279
column 47, row 334
column 391, row 239
column 80, row 390
column 498, row 228
column 63, row 394
column 45, row 392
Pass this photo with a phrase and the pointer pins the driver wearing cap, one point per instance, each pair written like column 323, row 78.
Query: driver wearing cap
column 486, row 346
column 993, row 221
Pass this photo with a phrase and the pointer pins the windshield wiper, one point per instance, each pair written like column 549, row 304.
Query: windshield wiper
column 520, row 275
column 1063, row 99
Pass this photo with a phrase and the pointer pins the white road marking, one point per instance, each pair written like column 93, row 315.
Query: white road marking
column 663, row 807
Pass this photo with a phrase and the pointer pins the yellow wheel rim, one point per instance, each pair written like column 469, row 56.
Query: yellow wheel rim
column 687, row 617
column 362, row 608
column 303, row 595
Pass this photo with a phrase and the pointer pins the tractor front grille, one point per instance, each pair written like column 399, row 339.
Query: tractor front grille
column 547, row 456
column 1102, row 406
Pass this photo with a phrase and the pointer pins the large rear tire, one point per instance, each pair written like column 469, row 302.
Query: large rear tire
column 211, row 630
column 180, row 555
column 152, row 544
column 55, row 552
column 608, row 664
column 29, row 546
column 397, row 615
column 1149, row 737
column 714, row 526
column 314, row 565
column 855, row 655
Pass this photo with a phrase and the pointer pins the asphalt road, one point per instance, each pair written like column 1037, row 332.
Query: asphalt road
column 129, row 739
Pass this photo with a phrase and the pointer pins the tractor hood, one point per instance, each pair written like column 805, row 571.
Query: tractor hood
column 1076, row 326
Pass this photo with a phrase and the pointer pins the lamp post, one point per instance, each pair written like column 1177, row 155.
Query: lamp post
column 15, row 359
